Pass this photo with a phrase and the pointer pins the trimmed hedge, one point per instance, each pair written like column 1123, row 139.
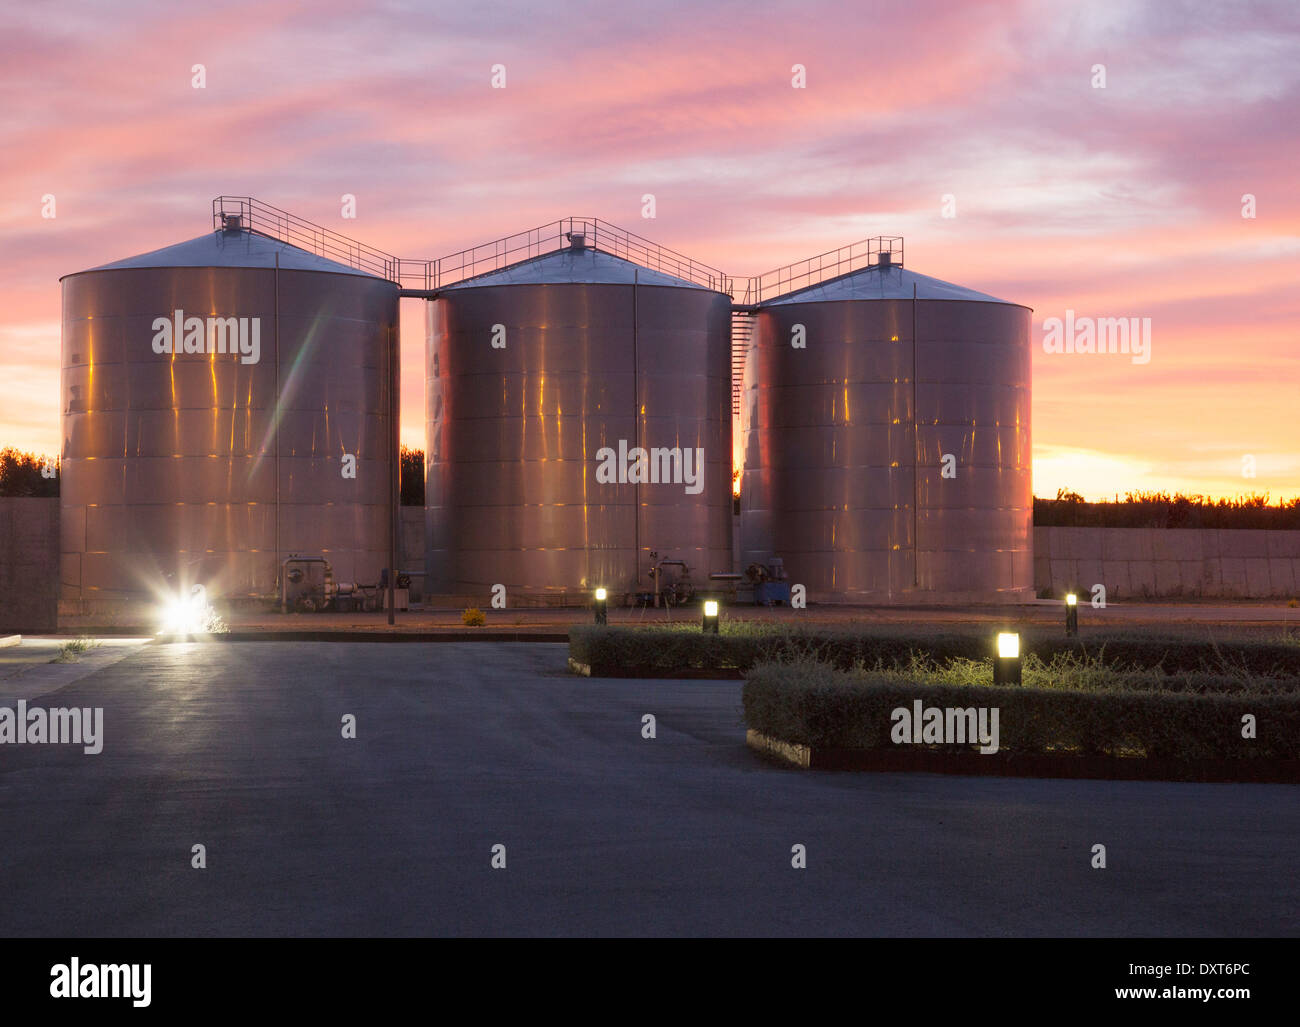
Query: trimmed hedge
column 740, row 646
column 811, row 703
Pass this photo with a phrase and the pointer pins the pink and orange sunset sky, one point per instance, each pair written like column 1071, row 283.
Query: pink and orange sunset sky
column 1122, row 201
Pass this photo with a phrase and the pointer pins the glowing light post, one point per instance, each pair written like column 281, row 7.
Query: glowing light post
column 600, row 607
column 709, row 625
column 1071, row 614
column 1006, row 668
column 185, row 615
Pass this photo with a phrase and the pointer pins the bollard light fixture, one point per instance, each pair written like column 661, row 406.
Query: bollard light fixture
column 709, row 625
column 1006, row 667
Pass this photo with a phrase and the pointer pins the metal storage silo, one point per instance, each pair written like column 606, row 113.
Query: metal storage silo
column 536, row 371
column 207, row 466
column 845, row 440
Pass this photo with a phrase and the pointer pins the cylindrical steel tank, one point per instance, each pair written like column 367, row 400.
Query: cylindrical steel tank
column 887, row 442
column 187, row 465
column 537, row 375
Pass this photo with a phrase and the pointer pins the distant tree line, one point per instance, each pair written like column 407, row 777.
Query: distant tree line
column 1162, row 510
column 412, row 476
column 21, row 474
column 27, row 474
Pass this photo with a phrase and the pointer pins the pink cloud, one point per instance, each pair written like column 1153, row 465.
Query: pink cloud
column 1123, row 201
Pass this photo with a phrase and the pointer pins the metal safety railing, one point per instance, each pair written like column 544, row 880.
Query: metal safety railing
column 288, row 228
column 804, row 274
column 470, row 263
column 596, row 234
column 430, row 275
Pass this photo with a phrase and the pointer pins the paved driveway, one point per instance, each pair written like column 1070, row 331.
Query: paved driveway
column 460, row 747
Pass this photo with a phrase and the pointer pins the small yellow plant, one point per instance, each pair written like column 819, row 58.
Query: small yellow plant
column 474, row 617
column 1293, row 603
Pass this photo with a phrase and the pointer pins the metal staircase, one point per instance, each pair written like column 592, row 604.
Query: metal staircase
column 742, row 330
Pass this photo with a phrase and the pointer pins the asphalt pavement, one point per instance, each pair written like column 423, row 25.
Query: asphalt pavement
column 461, row 747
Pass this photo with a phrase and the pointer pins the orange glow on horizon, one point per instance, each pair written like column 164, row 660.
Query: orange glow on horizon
column 1119, row 202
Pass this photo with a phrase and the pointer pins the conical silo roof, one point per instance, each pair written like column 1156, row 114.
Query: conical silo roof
column 875, row 283
column 576, row 267
column 244, row 249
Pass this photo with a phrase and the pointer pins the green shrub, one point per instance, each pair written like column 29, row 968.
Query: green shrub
column 810, row 703
column 473, row 617
column 740, row 645
column 1082, row 672
column 214, row 623
column 70, row 652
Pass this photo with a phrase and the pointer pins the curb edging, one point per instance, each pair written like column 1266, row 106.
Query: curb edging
column 1039, row 765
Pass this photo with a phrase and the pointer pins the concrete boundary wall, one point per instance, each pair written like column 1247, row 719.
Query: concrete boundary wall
column 29, row 564
column 1171, row 562
column 411, row 556
column 1130, row 562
